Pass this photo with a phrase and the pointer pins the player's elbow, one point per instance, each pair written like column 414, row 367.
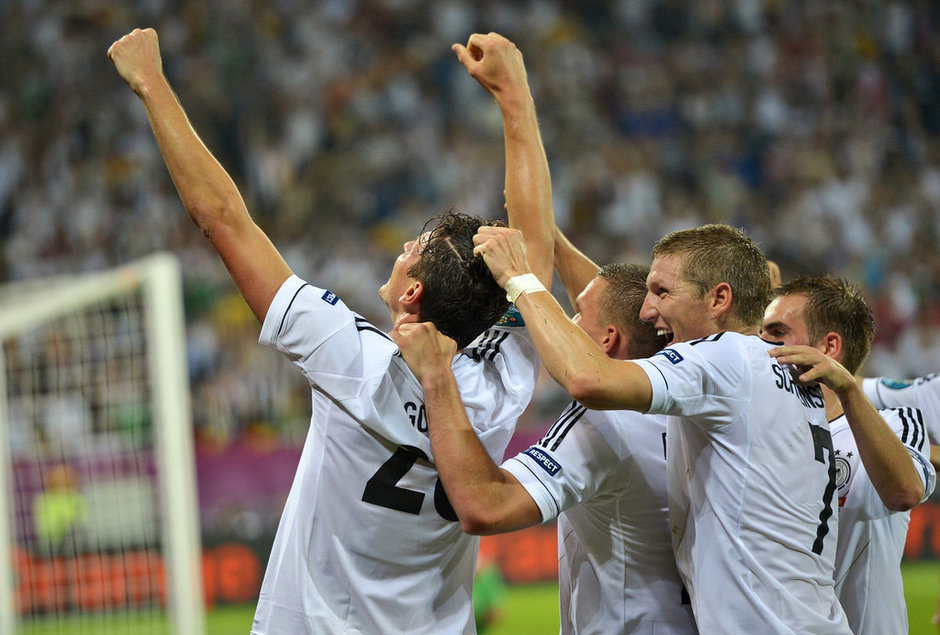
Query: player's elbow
column 589, row 390
column 480, row 521
column 904, row 497
column 216, row 219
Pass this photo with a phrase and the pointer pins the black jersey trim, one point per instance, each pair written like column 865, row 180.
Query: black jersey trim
column 488, row 348
column 289, row 305
column 364, row 325
column 913, row 433
column 562, row 426
column 708, row 338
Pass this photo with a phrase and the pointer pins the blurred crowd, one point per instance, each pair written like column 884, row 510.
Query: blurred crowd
column 814, row 125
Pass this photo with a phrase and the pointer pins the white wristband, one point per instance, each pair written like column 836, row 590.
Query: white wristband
column 526, row 283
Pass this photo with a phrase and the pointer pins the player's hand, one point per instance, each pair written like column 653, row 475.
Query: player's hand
column 813, row 365
column 493, row 61
column 503, row 251
column 136, row 56
column 426, row 350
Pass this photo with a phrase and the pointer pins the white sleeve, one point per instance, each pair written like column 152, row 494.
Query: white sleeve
column 908, row 424
column 922, row 393
column 568, row 465
column 315, row 330
column 705, row 380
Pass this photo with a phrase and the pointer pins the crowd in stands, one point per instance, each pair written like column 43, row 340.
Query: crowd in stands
column 814, row 125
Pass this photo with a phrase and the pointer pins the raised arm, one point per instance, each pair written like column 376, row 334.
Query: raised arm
column 497, row 65
column 574, row 268
column 487, row 499
column 889, row 466
column 568, row 353
column 207, row 191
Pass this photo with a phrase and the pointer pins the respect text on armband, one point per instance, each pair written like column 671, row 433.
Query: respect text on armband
column 810, row 394
column 544, row 461
column 415, row 413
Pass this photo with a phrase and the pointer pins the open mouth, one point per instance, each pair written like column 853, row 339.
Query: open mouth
column 669, row 335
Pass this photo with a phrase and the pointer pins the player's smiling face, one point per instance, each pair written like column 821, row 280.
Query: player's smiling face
column 399, row 280
column 673, row 305
column 783, row 321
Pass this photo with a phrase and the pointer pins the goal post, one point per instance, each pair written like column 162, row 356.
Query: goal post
column 98, row 508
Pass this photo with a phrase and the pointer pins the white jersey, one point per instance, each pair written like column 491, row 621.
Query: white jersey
column 603, row 474
column 751, row 482
column 368, row 542
column 871, row 537
column 922, row 393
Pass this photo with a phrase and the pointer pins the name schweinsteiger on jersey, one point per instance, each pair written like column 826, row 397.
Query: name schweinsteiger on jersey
column 751, row 479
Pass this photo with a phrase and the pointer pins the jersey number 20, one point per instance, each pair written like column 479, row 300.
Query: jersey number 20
column 383, row 490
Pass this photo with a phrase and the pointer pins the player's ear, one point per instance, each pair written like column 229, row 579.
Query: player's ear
column 613, row 340
column 831, row 345
column 721, row 297
column 411, row 298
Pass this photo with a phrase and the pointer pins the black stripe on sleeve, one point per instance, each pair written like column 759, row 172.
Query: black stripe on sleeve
column 488, row 347
column 905, row 426
column 287, row 310
column 914, row 433
column 562, row 426
column 364, row 325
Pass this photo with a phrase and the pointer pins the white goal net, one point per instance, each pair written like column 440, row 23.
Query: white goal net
column 98, row 513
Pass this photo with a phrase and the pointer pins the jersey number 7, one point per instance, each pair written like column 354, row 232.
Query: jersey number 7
column 822, row 441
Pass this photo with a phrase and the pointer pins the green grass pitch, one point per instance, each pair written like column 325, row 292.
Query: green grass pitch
column 527, row 610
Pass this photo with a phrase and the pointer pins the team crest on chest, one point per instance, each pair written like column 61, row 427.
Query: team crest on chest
column 843, row 472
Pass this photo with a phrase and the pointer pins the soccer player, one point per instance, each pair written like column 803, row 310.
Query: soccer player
column 882, row 470
column 601, row 473
column 750, row 467
column 368, row 542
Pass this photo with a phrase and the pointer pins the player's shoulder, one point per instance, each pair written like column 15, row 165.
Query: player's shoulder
column 908, row 423
column 726, row 348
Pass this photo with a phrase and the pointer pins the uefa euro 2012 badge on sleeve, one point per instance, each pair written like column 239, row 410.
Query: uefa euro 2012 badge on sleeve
column 511, row 317
column 896, row 384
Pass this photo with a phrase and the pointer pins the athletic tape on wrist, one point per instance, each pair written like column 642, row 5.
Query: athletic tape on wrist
column 526, row 283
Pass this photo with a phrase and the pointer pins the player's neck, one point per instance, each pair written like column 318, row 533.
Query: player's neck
column 834, row 408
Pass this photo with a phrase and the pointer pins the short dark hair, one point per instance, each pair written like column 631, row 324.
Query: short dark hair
column 835, row 305
column 620, row 305
column 715, row 253
column 461, row 298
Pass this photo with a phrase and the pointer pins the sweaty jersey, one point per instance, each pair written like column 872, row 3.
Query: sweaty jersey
column 751, row 484
column 368, row 542
column 603, row 474
column 871, row 537
column 922, row 393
